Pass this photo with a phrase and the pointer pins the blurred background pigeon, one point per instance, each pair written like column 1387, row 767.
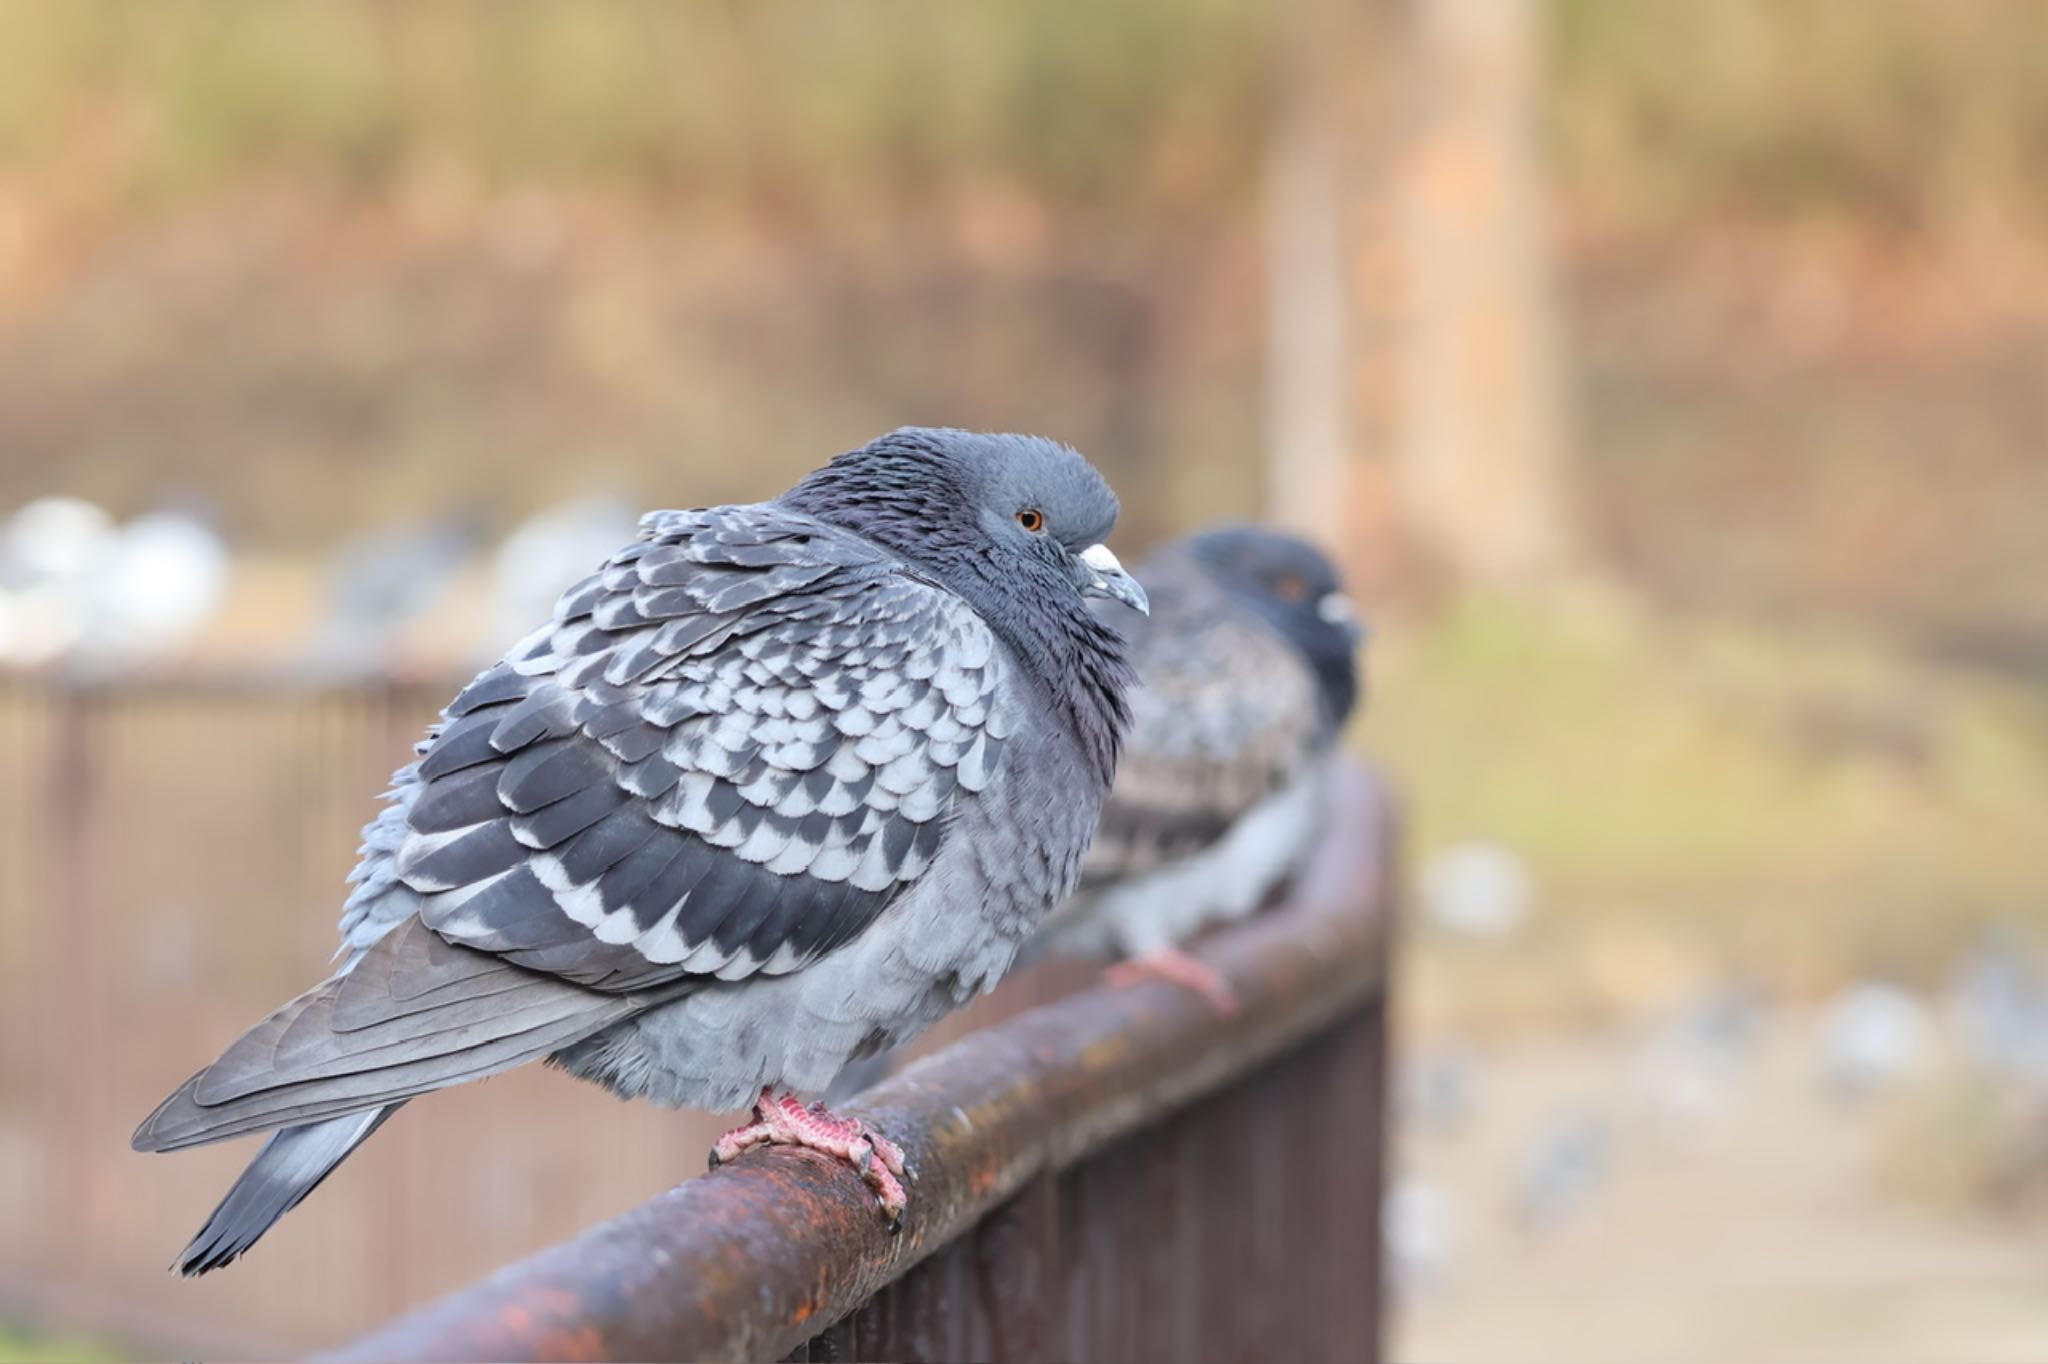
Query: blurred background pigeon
column 381, row 584
column 1686, row 1071
column 52, row 539
column 1562, row 1166
column 1478, row 890
column 1873, row 1036
column 1439, row 1088
column 49, row 552
column 163, row 577
column 1996, row 1006
column 1247, row 673
column 78, row 589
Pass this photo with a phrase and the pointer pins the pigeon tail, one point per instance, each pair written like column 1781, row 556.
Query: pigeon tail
column 290, row 1166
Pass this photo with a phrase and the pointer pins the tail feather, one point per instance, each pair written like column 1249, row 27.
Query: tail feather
column 373, row 1036
column 290, row 1166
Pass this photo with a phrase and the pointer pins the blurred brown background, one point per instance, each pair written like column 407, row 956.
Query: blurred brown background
column 1671, row 377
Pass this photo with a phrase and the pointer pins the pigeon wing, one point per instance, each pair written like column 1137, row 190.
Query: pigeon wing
column 737, row 743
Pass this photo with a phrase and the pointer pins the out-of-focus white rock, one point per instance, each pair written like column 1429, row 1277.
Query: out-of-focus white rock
column 1481, row 890
column 163, row 577
column 1421, row 1224
column 53, row 539
column 1872, row 1037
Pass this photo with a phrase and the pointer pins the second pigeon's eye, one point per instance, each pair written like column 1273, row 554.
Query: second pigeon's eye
column 1032, row 519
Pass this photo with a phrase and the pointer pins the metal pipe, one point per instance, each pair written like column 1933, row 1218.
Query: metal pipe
column 763, row 1254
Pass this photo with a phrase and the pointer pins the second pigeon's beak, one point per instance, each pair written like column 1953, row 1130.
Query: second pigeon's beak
column 1336, row 609
column 1103, row 576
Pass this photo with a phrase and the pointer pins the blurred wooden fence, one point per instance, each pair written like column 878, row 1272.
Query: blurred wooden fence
column 171, row 863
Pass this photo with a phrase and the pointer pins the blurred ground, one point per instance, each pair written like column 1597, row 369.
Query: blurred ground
column 1763, row 1230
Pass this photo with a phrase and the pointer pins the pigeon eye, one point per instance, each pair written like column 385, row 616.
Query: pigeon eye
column 1292, row 588
column 1032, row 519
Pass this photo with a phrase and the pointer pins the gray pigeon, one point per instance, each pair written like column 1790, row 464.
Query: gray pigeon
column 1247, row 672
column 778, row 786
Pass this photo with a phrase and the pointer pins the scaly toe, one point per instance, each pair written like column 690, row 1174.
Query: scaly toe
column 890, row 1153
column 889, row 1191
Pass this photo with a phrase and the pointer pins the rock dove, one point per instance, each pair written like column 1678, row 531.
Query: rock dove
column 1247, row 672
column 382, row 583
column 164, row 577
column 50, row 552
column 1996, row 1005
column 53, row 539
column 775, row 788
column 1559, row 1171
column 1687, row 1069
column 1873, row 1036
column 84, row 592
column 1478, row 890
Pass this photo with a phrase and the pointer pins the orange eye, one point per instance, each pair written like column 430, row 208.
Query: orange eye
column 1292, row 588
column 1032, row 519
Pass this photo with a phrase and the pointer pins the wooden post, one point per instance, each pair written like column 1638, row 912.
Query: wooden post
column 1481, row 454
column 1414, row 395
column 1328, row 216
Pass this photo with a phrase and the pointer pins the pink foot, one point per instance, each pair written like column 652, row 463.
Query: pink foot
column 783, row 1120
column 1178, row 968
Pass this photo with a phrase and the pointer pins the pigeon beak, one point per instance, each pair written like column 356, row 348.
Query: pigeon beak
column 1103, row 576
column 1336, row 609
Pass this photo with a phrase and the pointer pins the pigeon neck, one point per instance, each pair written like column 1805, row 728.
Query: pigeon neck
column 909, row 500
column 914, row 506
column 1079, row 665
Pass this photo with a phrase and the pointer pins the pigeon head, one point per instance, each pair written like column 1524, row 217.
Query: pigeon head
column 956, row 501
column 1295, row 589
column 1015, row 525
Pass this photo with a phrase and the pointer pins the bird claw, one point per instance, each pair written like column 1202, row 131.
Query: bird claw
column 781, row 1120
column 890, row 1153
column 1177, row 968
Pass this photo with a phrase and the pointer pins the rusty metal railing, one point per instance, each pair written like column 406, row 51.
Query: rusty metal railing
column 1121, row 1174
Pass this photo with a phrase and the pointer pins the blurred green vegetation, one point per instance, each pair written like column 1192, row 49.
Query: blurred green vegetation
column 1907, row 117
column 796, row 109
column 1697, row 797
column 1910, row 115
column 25, row 1348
